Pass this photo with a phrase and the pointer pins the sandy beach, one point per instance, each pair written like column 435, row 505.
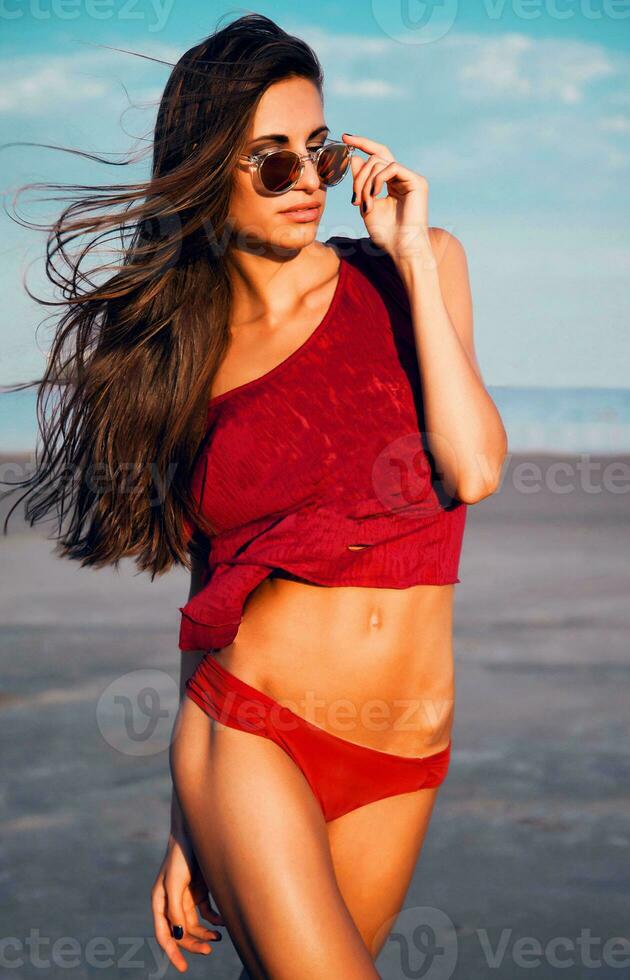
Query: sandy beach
column 531, row 832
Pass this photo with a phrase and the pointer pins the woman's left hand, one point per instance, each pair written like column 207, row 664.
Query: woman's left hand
column 398, row 222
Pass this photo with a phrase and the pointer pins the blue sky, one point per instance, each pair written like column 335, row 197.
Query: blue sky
column 518, row 114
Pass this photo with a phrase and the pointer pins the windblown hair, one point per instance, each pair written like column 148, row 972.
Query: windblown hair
column 133, row 358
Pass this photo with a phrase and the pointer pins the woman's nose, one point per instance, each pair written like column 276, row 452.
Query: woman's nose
column 310, row 178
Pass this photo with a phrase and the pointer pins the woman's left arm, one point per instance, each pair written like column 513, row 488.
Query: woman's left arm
column 464, row 430
column 463, row 427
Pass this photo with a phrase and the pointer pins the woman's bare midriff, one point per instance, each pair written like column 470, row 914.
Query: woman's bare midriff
column 371, row 665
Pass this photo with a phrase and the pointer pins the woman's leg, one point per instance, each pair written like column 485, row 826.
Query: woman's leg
column 374, row 869
column 261, row 841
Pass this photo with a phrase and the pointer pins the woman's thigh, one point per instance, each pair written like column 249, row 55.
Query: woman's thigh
column 374, row 869
column 261, row 841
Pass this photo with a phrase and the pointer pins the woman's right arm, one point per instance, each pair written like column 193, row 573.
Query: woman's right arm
column 179, row 889
column 189, row 659
column 188, row 662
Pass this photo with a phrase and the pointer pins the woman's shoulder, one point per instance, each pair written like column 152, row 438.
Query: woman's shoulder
column 357, row 250
column 381, row 270
column 375, row 263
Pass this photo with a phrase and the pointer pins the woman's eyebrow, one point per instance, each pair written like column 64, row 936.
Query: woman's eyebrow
column 282, row 138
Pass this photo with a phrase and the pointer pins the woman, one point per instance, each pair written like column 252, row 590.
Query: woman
column 307, row 837
column 292, row 886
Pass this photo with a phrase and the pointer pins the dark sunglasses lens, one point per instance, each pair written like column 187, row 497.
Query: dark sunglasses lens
column 333, row 163
column 280, row 170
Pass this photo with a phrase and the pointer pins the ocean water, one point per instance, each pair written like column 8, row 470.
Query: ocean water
column 571, row 420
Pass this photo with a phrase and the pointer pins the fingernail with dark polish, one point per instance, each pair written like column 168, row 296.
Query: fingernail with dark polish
column 354, row 197
column 177, row 931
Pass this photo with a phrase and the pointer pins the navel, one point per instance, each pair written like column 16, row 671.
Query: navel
column 376, row 618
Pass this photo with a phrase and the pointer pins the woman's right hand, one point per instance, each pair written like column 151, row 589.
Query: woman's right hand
column 179, row 890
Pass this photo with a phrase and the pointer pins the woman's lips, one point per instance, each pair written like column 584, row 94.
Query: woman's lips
column 303, row 214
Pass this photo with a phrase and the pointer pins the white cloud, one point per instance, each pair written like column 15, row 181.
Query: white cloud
column 508, row 70
column 617, row 161
column 615, row 124
column 365, row 88
column 36, row 90
column 29, row 87
column 521, row 114
column 522, row 68
column 346, row 46
column 620, row 97
column 498, row 69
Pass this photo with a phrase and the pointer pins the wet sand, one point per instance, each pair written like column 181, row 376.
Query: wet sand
column 531, row 832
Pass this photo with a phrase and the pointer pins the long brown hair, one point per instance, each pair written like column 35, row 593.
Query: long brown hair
column 133, row 357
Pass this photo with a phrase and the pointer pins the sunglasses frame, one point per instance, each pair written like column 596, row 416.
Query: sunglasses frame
column 256, row 161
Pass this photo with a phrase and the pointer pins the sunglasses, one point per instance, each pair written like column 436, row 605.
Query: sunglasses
column 280, row 170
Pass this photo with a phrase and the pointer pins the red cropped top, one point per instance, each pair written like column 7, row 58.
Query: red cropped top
column 320, row 466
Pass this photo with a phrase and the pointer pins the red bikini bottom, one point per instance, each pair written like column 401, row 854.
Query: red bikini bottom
column 343, row 775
